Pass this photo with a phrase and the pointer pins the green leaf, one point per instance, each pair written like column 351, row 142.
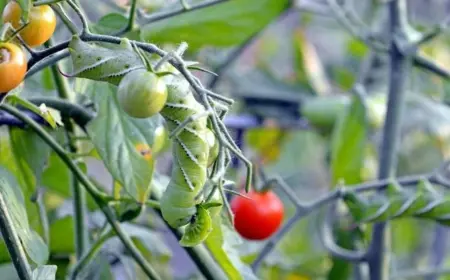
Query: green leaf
column 222, row 25
column 151, row 247
column 45, row 272
column 348, row 144
column 119, row 140
column 30, row 154
column 33, row 244
column 309, row 68
column 109, row 24
column 61, row 236
column 56, row 179
column 26, row 6
column 8, row 272
column 221, row 243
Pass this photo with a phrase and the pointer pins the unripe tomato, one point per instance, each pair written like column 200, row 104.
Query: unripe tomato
column 13, row 66
column 260, row 216
column 42, row 22
column 159, row 142
column 142, row 94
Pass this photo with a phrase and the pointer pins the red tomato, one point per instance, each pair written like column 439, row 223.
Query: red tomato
column 259, row 217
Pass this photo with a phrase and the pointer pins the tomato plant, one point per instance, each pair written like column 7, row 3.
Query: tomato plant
column 258, row 215
column 82, row 154
column 142, row 94
column 41, row 22
column 13, row 66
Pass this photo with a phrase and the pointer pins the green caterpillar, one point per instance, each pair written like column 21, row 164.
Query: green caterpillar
column 181, row 203
column 425, row 203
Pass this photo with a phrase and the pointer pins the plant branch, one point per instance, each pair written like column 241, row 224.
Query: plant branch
column 12, row 242
column 99, row 197
column 79, row 114
column 163, row 15
column 46, row 2
column 328, row 241
column 65, row 18
column 421, row 274
column 90, row 255
column 378, row 257
column 78, row 194
column 431, row 66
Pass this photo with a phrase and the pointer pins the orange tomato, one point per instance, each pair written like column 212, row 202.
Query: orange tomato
column 13, row 66
column 42, row 22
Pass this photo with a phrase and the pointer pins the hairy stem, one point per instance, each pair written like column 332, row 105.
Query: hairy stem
column 378, row 259
column 78, row 194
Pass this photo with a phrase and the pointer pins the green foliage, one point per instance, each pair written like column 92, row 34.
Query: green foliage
column 32, row 243
column 215, row 25
column 116, row 138
column 348, row 143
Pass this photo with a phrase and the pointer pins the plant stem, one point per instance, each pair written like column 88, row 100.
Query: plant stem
column 13, row 243
column 65, row 18
column 90, row 255
column 132, row 16
column 164, row 15
column 378, row 259
column 78, row 194
column 46, row 2
column 99, row 197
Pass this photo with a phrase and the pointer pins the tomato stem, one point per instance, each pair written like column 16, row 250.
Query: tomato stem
column 16, row 32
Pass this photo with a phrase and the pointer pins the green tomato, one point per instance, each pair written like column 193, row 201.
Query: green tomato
column 159, row 141
column 142, row 94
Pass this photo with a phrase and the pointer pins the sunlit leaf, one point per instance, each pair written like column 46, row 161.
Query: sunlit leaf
column 33, row 244
column 124, row 143
column 61, row 236
column 109, row 24
column 222, row 25
column 309, row 68
column 45, row 272
column 221, row 243
column 348, row 144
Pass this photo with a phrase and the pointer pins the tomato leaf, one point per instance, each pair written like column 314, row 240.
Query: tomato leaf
column 60, row 241
column 33, row 244
column 56, row 179
column 109, row 24
column 348, row 143
column 26, row 5
column 222, row 25
column 221, row 243
column 45, row 272
column 119, row 140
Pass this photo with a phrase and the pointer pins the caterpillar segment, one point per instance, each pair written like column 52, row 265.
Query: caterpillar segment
column 424, row 203
column 179, row 203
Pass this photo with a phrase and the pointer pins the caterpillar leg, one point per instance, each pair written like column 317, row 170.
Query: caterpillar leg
column 187, row 121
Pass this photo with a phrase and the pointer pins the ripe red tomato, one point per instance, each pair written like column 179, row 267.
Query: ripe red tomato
column 259, row 217
column 42, row 22
column 13, row 66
